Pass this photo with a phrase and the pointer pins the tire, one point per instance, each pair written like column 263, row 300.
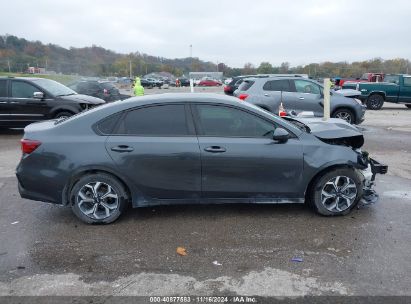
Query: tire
column 375, row 102
column 64, row 114
column 408, row 106
column 345, row 114
column 324, row 199
column 88, row 202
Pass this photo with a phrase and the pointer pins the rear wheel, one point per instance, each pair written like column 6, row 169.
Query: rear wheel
column 345, row 114
column 375, row 102
column 98, row 199
column 336, row 192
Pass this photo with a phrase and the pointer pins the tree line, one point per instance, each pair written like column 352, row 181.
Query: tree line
column 17, row 54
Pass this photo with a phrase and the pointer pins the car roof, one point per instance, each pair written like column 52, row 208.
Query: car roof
column 23, row 78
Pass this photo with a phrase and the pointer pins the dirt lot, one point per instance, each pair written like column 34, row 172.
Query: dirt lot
column 232, row 249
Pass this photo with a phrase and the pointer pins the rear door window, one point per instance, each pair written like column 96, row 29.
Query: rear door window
column 21, row 89
column 277, row 85
column 3, row 88
column 161, row 120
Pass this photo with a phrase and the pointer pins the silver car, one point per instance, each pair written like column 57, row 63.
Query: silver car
column 297, row 95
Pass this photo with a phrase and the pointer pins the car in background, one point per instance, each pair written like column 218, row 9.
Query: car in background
column 209, row 83
column 151, row 83
column 184, row 82
column 396, row 88
column 26, row 100
column 297, row 95
column 101, row 89
column 191, row 149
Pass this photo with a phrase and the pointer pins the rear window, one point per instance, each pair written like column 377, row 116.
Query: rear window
column 246, row 85
column 162, row 120
column 277, row 85
column 3, row 88
column 108, row 124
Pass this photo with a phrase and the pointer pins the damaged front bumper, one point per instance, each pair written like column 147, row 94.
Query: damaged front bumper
column 370, row 196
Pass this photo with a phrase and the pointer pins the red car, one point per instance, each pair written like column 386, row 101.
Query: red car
column 209, row 83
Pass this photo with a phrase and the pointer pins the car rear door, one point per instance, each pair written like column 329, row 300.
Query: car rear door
column 5, row 116
column 156, row 148
column 276, row 92
column 240, row 159
column 307, row 97
column 405, row 90
column 23, row 106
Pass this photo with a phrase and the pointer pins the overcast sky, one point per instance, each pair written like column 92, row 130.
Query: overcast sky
column 233, row 32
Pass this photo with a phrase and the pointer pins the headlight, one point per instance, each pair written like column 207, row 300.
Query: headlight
column 357, row 100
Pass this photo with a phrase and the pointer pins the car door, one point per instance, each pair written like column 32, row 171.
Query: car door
column 405, row 90
column 241, row 160
column 5, row 116
column 276, row 92
column 156, row 148
column 307, row 97
column 23, row 106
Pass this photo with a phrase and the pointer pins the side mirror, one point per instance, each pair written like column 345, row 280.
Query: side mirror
column 281, row 135
column 38, row 95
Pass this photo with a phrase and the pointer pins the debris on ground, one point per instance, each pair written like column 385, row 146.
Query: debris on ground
column 217, row 263
column 14, row 223
column 297, row 259
column 181, row 251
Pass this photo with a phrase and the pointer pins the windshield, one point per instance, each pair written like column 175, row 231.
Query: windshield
column 55, row 88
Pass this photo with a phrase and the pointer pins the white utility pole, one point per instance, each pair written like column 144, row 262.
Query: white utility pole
column 327, row 88
column 8, row 63
column 130, row 66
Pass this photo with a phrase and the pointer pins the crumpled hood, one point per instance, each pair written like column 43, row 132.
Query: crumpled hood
column 333, row 129
column 84, row 99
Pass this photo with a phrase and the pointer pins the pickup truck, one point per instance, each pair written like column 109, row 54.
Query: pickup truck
column 366, row 77
column 396, row 88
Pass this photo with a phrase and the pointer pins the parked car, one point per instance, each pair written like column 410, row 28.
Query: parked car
column 192, row 148
column 105, row 90
column 26, row 100
column 184, row 82
column 151, row 83
column 209, row 83
column 396, row 88
column 366, row 77
column 298, row 94
column 231, row 87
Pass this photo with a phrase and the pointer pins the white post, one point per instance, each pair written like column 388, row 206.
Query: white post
column 192, row 85
column 327, row 87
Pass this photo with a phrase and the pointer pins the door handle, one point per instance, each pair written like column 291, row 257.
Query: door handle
column 122, row 149
column 3, row 101
column 267, row 95
column 13, row 102
column 215, row 149
column 301, row 98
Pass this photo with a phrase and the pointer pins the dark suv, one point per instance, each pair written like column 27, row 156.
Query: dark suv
column 105, row 90
column 27, row 100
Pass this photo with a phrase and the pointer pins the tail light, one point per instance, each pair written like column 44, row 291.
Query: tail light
column 28, row 145
column 243, row 96
column 106, row 92
column 226, row 88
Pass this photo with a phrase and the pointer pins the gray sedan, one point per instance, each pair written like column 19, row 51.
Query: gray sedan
column 192, row 148
column 297, row 95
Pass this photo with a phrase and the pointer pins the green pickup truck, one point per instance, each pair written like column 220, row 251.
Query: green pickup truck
column 395, row 88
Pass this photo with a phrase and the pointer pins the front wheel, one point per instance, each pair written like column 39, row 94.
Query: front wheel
column 98, row 199
column 63, row 115
column 336, row 192
column 375, row 102
column 408, row 106
column 345, row 114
